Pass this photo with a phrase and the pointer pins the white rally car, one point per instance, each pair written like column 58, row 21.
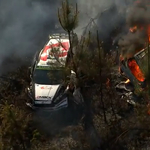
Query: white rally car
column 46, row 89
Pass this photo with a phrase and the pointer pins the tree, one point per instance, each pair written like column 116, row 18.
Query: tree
column 13, row 128
column 68, row 19
column 90, row 66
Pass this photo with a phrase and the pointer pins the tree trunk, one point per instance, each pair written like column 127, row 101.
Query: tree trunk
column 88, row 119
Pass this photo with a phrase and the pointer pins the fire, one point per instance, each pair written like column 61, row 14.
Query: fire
column 121, row 58
column 133, row 29
column 127, row 81
column 136, row 70
column 149, row 33
column 108, row 83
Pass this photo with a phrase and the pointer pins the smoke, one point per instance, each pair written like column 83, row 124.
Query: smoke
column 113, row 19
column 24, row 28
column 102, row 12
column 137, row 16
column 89, row 10
column 132, row 43
column 26, row 24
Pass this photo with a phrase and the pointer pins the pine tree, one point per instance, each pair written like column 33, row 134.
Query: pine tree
column 68, row 18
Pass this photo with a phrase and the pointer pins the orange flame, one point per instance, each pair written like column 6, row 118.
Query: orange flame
column 136, row 70
column 121, row 58
column 108, row 83
column 133, row 29
column 127, row 81
column 149, row 33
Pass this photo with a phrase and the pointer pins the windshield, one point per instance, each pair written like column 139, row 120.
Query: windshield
column 48, row 77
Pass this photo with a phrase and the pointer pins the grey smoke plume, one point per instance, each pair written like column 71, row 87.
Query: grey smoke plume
column 132, row 43
column 25, row 24
column 108, row 16
column 24, row 27
column 89, row 10
column 93, row 9
column 137, row 15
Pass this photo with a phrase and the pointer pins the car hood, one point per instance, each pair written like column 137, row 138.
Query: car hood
column 45, row 92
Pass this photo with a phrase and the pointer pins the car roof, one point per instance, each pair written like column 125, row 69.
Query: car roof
column 59, row 41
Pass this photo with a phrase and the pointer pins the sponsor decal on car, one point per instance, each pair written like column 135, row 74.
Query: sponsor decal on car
column 60, row 50
column 46, row 87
